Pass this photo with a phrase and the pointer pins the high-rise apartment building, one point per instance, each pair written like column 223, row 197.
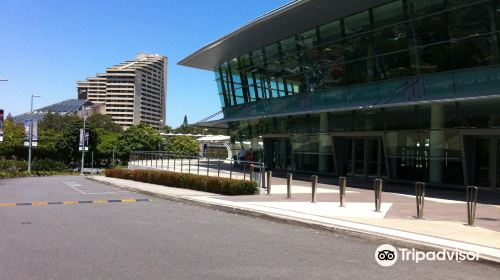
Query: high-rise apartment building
column 93, row 88
column 133, row 92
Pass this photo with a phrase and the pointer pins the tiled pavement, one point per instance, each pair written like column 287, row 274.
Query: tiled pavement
column 440, row 204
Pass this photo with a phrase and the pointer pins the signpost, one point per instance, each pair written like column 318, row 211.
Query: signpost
column 84, row 144
column 33, row 127
column 30, row 133
column 1, row 125
column 84, row 139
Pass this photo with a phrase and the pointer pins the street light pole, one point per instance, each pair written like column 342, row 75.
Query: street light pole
column 83, row 139
column 31, row 133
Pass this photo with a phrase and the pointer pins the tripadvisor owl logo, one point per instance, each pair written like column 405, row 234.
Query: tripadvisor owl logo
column 386, row 255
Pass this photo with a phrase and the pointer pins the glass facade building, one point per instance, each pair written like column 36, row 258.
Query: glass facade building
column 407, row 90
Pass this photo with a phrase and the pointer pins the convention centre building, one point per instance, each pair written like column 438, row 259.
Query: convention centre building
column 405, row 90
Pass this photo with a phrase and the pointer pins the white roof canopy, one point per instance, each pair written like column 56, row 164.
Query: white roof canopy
column 214, row 138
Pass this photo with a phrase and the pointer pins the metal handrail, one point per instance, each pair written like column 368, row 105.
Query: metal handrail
column 149, row 159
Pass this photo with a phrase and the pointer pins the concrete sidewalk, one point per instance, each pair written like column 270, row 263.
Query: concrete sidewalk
column 395, row 223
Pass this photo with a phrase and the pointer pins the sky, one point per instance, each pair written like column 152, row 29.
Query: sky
column 46, row 46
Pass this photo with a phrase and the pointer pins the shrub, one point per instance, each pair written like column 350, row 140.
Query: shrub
column 16, row 174
column 49, row 165
column 187, row 181
column 9, row 166
column 181, row 145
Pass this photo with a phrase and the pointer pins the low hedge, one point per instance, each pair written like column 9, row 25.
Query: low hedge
column 13, row 166
column 216, row 185
column 49, row 165
column 39, row 165
column 16, row 174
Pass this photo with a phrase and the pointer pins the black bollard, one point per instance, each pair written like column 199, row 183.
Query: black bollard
column 377, row 185
column 420, row 194
column 269, row 177
column 314, row 183
column 472, row 193
column 342, row 185
column 289, row 185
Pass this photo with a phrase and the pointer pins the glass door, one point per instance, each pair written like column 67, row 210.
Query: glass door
column 359, row 157
column 372, row 157
column 482, row 162
column 498, row 167
column 363, row 157
column 276, row 154
column 348, row 163
column 281, row 154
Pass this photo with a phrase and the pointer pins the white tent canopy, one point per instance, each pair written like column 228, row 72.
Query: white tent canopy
column 214, row 138
column 181, row 134
column 215, row 141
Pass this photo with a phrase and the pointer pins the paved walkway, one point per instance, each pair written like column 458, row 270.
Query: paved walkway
column 443, row 226
column 440, row 204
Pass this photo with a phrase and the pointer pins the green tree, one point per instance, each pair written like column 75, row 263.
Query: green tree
column 108, row 142
column 48, row 145
column 167, row 129
column 185, row 130
column 105, row 122
column 141, row 137
column 50, row 135
column 56, row 121
column 183, row 145
column 12, row 145
column 69, row 142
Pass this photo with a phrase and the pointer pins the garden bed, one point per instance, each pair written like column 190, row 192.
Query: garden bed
column 216, row 185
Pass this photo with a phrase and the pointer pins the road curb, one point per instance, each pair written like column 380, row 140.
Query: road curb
column 336, row 229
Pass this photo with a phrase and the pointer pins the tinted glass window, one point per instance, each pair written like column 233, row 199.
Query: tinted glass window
column 469, row 21
column 291, row 65
column 357, row 23
column 388, row 13
column 332, row 64
column 424, row 7
column 257, row 57
column 272, row 52
column 307, row 39
column 436, row 58
column 429, row 30
column 473, row 52
column 330, row 31
column 454, row 3
column 392, row 66
column 288, row 46
column 390, row 39
column 357, row 47
column 305, row 143
column 244, row 61
column 357, row 71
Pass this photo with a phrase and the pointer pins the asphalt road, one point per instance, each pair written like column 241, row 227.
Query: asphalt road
column 167, row 240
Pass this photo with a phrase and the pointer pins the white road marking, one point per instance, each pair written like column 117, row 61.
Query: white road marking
column 109, row 192
column 75, row 186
